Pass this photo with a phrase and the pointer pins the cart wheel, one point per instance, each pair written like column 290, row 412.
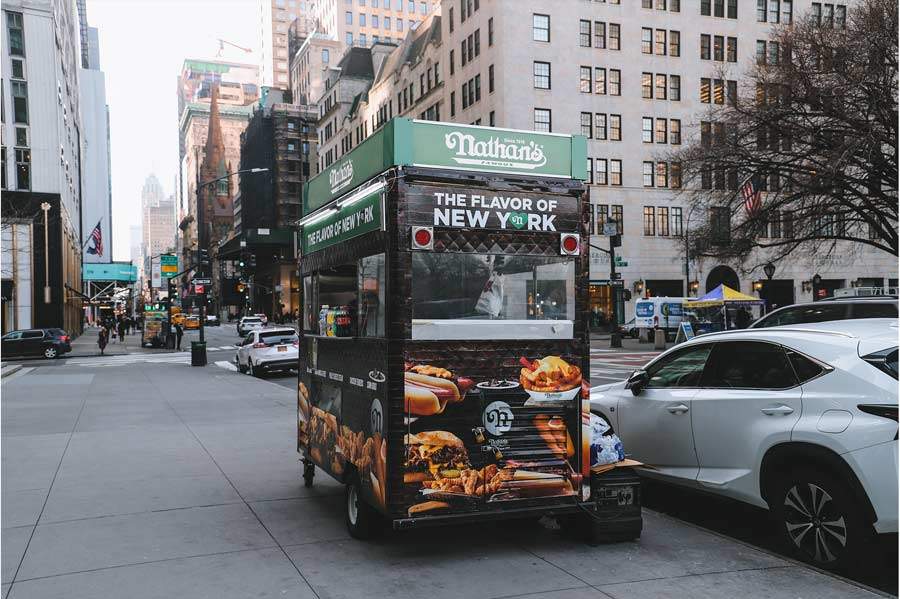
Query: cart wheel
column 362, row 519
column 309, row 473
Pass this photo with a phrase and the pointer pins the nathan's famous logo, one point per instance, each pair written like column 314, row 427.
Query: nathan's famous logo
column 340, row 176
column 497, row 418
column 495, row 153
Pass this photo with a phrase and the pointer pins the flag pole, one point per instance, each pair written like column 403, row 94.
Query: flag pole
column 89, row 238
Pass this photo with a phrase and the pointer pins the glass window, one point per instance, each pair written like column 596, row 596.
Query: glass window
column 647, row 173
column 706, row 8
column 647, row 130
column 600, row 125
column 804, row 368
column 371, row 296
column 462, row 286
column 584, row 80
column 662, row 221
column 682, row 368
column 675, row 131
column 731, row 51
column 18, row 69
column 587, row 124
column 540, row 28
column 362, row 19
column 23, row 169
column 660, row 42
column 732, row 9
column 661, row 87
column 348, row 18
column 32, row 334
column 14, row 33
column 599, row 80
column 584, row 33
column 599, row 34
column 601, row 177
column 674, row 43
column 676, row 221
column 375, row 22
column 662, row 174
column 874, row 310
column 542, row 75
column 662, row 131
column 719, row 48
column 705, row 45
column 646, row 40
column 647, row 86
column 310, row 302
column 675, row 87
column 615, row 127
column 615, row 36
column 271, row 338
column 13, row 335
column 542, row 120
column 615, row 82
column 649, row 221
column 748, row 365
column 20, row 101
column 615, row 175
column 817, row 312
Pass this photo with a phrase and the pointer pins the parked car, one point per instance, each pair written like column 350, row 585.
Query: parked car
column 832, row 309
column 247, row 324
column 212, row 320
column 178, row 319
column 191, row 323
column 263, row 318
column 800, row 420
column 630, row 329
column 49, row 343
column 267, row 350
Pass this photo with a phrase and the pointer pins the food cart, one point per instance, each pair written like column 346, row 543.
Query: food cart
column 156, row 328
column 444, row 340
column 720, row 309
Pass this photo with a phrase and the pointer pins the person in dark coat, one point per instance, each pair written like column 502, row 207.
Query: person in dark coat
column 122, row 330
column 103, row 338
column 179, row 333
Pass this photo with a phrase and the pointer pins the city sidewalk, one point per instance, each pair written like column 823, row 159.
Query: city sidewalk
column 85, row 345
column 601, row 341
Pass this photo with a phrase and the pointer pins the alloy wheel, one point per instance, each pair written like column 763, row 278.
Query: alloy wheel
column 352, row 504
column 815, row 523
column 50, row 352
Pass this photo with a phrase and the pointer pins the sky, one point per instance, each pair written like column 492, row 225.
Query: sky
column 143, row 44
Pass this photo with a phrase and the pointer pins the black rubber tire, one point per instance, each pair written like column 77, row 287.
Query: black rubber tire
column 832, row 538
column 251, row 369
column 366, row 523
column 51, row 353
column 241, row 368
column 309, row 475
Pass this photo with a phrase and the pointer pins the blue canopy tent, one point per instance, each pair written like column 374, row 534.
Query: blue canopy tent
column 718, row 309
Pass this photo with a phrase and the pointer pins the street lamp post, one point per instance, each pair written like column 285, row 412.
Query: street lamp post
column 203, row 243
column 45, row 206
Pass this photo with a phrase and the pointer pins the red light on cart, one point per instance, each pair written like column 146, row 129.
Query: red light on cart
column 422, row 238
column 569, row 244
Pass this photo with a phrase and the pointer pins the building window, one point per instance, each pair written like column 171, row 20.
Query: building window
column 584, row 33
column 662, row 131
column 705, row 8
column 452, row 63
column 452, row 104
column 761, row 10
column 348, row 17
column 718, row 91
column 491, row 78
column 600, row 35
column 348, row 38
column 600, row 126
column 15, row 34
column 647, row 173
column 599, row 80
column 23, row 169
column 617, row 216
column 787, row 11
column 661, row 87
column 731, row 50
column 542, row 76
column 3, row 167
column 647, row 86
column 720, row 224
column 649, row 221
column 662, row 221
column 540, row 28
column 705, row 45
column 646, row 40
column 615, row 173
column 615, row 127
column 705, row 90
column 719, row 8
column 362, row 19
column 662, row 174
column 719, row 48
column 601, row 177
column 492, row 121
column 674, row 43
column 675, row 87
column 732, row 9
column 647, row 130
column 542, row 120
column 675, row 131
column 587, row 124
column 615, row 82
column 676, row 222
column 450, row 18
column 590, row 179
column 584, row 81
column 491, row 31
column 20, row 101
column 660, row 42
column 615, row 36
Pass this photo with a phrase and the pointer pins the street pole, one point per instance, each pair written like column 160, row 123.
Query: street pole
column 45, row 206
column 615, row 340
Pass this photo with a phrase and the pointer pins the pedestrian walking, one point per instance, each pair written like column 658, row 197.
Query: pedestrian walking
column 127, row 325
column 179, row 333
column 122, row 330
column 103, row 338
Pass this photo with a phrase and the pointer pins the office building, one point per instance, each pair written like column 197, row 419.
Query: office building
column 42, row 147
column 158, row 222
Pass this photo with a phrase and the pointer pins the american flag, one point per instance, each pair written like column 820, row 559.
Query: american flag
column 751, row 193
column 97, row 238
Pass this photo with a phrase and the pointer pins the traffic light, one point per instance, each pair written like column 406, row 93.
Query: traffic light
column 204, row 257
column 252, row 260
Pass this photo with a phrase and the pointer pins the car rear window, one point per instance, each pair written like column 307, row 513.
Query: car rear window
column 277, row 337
column 874, row 310
column 252, row 319
column 805, row 314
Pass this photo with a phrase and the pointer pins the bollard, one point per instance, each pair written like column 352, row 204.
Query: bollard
column 659, row 339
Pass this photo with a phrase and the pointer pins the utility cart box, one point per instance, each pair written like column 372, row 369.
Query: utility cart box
column 444, row 341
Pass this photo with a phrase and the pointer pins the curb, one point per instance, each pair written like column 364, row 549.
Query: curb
column 8, row 370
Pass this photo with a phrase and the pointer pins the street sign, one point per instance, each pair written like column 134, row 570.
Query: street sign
column 168, row 265
column 617, row 283
column 610, row 228
column 201, row 281
column 621, row 261
column 616, row 276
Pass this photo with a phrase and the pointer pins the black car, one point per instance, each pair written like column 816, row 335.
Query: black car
column 834, row 309
column 49, row 343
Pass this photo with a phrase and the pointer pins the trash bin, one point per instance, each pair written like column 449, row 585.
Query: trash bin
column 198, row 353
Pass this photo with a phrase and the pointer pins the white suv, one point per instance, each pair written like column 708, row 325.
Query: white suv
column 247, row 324
column 266, row 350
column 800, row 420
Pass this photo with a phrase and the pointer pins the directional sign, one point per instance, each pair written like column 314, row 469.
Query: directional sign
column 617, row 283
column 168, row 265
column 201, row 281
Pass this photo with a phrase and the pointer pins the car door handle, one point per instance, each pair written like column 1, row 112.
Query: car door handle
column 677, row 408
column 779, row 410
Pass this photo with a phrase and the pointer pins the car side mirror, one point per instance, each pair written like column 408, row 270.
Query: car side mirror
column 637, row 381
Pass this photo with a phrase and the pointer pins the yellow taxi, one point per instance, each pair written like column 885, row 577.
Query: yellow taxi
column 192, row 322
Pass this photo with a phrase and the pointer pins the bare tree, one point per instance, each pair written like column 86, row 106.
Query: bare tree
column 815, row 129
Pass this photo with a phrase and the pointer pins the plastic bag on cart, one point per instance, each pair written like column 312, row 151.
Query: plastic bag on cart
column 605, row 448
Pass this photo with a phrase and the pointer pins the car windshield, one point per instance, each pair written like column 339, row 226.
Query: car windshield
column 278, row 337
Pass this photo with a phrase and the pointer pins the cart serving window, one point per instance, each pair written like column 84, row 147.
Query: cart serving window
column 444, row 350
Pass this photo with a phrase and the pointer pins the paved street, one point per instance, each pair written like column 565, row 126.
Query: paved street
column 154, row 479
